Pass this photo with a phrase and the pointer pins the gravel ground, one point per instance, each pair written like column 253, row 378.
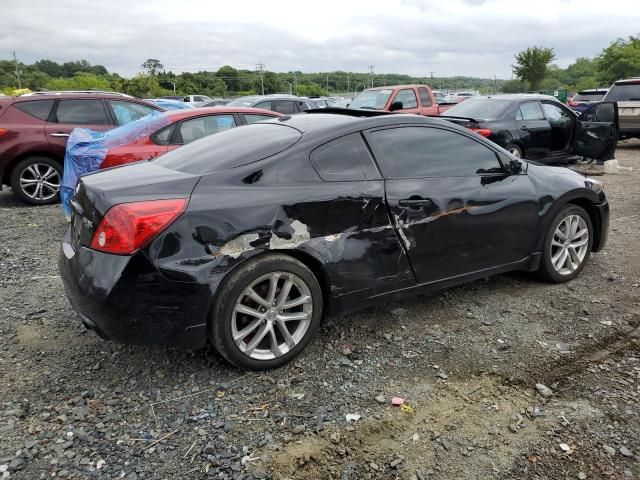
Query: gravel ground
column 467, row 361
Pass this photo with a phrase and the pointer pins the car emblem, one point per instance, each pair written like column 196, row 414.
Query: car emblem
column 87, row 223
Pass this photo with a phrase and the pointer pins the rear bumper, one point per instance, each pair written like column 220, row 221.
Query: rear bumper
column 126, row 299
column 601, row 233
column 630, row 132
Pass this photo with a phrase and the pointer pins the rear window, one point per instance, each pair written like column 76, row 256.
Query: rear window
column 230, row 149
column 486, row 109
column 36, row 108
column 588, row 97
column 623, row 92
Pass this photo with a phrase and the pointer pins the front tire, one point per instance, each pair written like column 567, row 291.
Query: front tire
column 567, row 244
column 37, row 180
column 266, row 312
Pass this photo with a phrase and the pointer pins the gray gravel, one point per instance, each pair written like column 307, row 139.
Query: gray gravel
column 466, row 361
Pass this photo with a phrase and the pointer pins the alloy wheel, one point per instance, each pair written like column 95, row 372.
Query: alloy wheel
column 272, row 315
column 569, row 244
column 40, row 181
column 515, row 151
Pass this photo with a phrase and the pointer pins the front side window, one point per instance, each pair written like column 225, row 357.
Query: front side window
column 263, row 105
column 126, row 112
column 200, row 127
column 425, row 99
column 82, row 112
column 531, row 111
column 556, row 114
column 407, row 97
column 416, row 152
column 36, row 108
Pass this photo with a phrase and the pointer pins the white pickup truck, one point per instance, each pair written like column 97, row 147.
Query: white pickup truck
column 197, row 100
column 626, row 93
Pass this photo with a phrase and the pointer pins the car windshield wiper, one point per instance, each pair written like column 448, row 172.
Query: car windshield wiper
column 367, row 108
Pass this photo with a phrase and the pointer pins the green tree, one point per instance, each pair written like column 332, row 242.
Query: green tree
column 144, row 86
column 219, row 88
column 230, row 76
column 272, row 83
column 621, row 59
column 587, row 82
column 513, row 86
column 580, row 69
column 80, row 81
column 152, row 66
column 532, row 64
column 51, row 68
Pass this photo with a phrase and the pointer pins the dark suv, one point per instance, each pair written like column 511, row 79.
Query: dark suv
column 34, row 129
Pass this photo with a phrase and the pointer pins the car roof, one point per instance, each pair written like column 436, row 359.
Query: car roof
column 632, row 80
column 594, row 90
column 319, row 121
column 176, row 115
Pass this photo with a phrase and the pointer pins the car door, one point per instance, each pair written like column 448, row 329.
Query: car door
column 597, row 132
column 68, row 114
column 426, row 104
column 405, row 101
column 455, row 206
column 534, row 130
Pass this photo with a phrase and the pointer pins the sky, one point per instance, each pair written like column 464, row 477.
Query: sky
column 414, row 37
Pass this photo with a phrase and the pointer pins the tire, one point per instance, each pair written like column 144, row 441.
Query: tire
column 554, row 245
column 36, row 180
column 226, row 321
column 515, row 150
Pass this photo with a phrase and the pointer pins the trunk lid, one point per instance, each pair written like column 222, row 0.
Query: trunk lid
column 99, row 191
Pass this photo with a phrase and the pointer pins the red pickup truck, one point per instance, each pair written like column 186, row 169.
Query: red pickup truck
column 418, row 99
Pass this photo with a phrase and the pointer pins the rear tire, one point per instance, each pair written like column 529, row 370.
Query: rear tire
column 514, row 150
column 566, row 250
column 36, row 180
column 251, row 325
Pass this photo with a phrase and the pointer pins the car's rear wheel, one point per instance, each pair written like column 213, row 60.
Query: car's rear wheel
column 514, row 150
column 567, row 244
column 37, row 180
column 266, row 312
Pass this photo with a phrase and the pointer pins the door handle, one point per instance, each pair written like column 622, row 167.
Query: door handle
column 58, row 134
column 524, row 127
column 415, row 202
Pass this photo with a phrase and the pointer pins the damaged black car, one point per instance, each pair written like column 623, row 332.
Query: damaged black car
column 247, row 238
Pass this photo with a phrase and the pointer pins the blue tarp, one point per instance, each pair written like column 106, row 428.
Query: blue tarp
column 87, row 149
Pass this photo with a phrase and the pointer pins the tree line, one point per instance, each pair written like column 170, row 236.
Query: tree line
column 533, row 68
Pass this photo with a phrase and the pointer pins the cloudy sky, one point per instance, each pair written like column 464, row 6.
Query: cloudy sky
column 447, row 37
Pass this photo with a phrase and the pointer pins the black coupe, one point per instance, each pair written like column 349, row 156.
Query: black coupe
column 539, row 127
column 247, row 238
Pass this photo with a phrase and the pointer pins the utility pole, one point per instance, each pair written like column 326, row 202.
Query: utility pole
column 494, row 85
column 327, row 84
column 348, row 83
column 295, row 83
column 432, row 79
column 371, row 67
column 15, row 60
column 261, row 67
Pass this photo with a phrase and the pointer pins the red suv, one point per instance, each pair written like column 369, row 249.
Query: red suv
column 34, row 129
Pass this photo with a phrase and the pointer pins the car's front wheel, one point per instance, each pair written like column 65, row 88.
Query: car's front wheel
column 515, row 150
column 266, row 313
column 567, row 244
column 37, row 180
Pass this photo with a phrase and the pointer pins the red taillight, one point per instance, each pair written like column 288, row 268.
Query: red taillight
column 129, row 226
column 485, row 132
column 3, row 131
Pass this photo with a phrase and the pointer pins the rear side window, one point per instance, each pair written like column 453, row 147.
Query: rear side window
column 530, row 111
column 285, row 107
column 344, row 159
column 231, row 148
column 200, row 127
column 126, row 112
column 407, row 97
column 81, row 112
column 425, row 99
column 250, row 118
column 36, row 108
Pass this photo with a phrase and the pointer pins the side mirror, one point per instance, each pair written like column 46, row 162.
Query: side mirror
column 396, row 106
column 347, row 105
column 515, row 166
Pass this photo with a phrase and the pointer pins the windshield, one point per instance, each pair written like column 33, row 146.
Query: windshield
column 243, row 102
column 371, row 99
column 623, row 92
column 231, row 148
column 484, row 108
